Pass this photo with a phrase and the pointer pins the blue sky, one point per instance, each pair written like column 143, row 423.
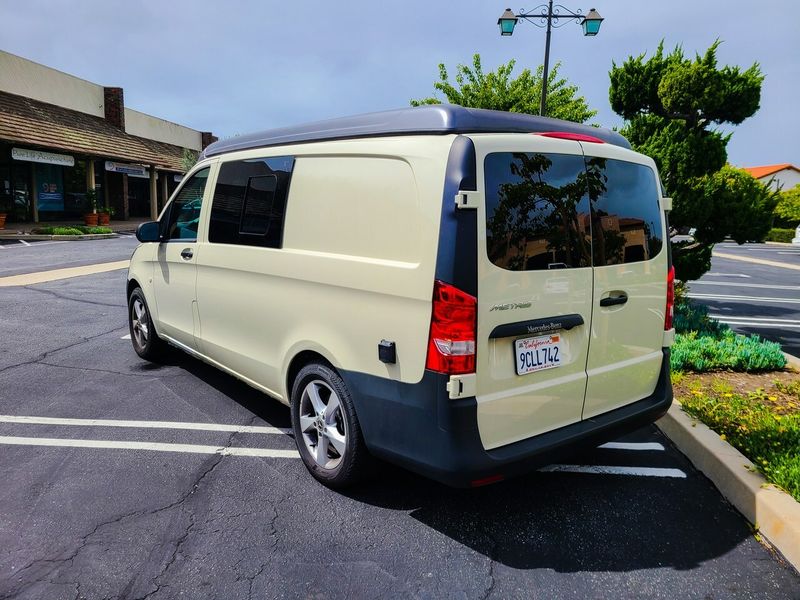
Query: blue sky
column 238, row 66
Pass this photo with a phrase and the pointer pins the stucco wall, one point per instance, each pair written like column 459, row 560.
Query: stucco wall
column 786, row 179
column 27, row 78
column 153, row 128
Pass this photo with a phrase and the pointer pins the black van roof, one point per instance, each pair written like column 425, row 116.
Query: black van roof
column 433, row 119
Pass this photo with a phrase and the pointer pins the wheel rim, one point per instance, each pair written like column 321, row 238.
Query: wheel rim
column 140, row 323
column 323, row 425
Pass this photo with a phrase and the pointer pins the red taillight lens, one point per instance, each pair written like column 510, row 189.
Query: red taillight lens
column 451, row 344
column 670, row 299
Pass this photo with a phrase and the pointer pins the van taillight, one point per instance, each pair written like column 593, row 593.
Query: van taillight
column 670, row 299
column 451, row 344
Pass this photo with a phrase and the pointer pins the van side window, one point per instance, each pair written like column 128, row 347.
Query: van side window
column 626, row 218
column 537, row 211
column 184, row 212
column 250, row 202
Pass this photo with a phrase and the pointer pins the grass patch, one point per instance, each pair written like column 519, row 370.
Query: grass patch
column 74, row 230
column 763, row 424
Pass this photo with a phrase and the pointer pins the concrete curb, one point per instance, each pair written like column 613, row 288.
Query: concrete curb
column 61, row 238
column 775, row 513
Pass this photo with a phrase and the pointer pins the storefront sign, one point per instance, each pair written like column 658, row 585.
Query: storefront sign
column 135, row 170
column 39, row 156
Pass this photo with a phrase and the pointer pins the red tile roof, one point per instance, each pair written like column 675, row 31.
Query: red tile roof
column 34, row 123
column 767, row 170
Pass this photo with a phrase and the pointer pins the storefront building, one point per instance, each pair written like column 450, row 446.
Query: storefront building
column 61, row 136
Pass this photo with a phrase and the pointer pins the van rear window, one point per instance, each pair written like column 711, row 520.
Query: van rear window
column 556, row 211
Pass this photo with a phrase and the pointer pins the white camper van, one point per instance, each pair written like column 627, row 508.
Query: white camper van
column 463, row 292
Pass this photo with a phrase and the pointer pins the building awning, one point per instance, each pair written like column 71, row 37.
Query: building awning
column 35, row 123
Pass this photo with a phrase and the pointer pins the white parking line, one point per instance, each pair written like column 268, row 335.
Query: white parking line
column 157, row 447
column 727, row 275
column 747, row 285
column 765, row 319
column 743, row 298
column 141, row 424
column 632, row 446
column 127, row 336
column 614, row 470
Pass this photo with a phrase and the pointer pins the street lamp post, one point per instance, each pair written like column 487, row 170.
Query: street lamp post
column 545, row 15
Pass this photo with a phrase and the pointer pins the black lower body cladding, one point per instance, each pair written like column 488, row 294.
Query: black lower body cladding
column 419, row 427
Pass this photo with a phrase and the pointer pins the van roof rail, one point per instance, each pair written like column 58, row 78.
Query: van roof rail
column 433, row 119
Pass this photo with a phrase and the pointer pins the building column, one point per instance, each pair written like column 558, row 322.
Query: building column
column 89, row 174
column 126, row 209
column 34, row 194
column 164, row 189
column 153, row 194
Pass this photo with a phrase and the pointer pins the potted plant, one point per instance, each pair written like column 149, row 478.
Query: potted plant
column 90, row 218
column 104, row 214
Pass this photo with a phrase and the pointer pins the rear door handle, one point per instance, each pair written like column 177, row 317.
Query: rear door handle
column 186, row 253
column 614, row 300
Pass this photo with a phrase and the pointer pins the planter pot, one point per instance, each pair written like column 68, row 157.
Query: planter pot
column 2, row 220
column 103, row 218
column 90, row 219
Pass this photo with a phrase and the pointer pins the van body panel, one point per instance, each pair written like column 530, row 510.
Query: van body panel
column 513, row 407
column 360, row 228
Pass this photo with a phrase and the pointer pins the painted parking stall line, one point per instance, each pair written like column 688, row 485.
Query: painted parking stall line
column 34, row 420
column 615, row 470
column 226, row 450
column 152, row 446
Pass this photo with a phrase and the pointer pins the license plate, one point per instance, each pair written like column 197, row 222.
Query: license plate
column 537, row 353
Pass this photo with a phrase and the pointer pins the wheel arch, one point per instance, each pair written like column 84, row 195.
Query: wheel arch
column 300, row 360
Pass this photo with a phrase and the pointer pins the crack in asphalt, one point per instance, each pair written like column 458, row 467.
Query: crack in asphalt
column 48, row 353
column 109, row 371
column 84, row 540
column 65, row 297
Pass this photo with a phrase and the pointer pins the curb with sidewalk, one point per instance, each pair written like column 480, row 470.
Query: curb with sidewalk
column 35, row 237
column 775, row 513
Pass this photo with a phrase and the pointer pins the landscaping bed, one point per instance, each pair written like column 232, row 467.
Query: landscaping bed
column 740, row 387
column 72, row 230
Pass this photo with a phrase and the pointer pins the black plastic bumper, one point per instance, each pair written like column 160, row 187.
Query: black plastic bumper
column 419, row 427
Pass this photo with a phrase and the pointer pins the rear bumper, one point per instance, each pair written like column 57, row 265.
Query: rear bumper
column 420, row 428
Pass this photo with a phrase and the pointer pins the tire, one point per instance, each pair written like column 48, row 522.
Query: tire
column 323, row 412
column 145, row 340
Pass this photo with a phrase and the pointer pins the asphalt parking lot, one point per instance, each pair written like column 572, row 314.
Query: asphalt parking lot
column 760, row 298
column 123, row 479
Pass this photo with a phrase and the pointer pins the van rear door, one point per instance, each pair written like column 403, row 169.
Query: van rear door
column 630, row 278
column 534, row 286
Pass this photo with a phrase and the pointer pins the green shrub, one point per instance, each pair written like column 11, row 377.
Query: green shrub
column 780, row 235
column 58, row 231
column 702, row 353
column 753, row 424
column 76, row 230
column 694, row 317
column 95, row 230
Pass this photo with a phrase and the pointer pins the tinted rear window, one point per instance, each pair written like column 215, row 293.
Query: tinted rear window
column 626, row 217
column 556, row 211
column 537, row 211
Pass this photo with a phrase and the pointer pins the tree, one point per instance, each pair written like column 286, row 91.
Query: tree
column 498, row 90
column 671, row 105
column 788, row 208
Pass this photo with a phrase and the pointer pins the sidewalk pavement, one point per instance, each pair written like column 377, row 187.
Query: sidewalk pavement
column 22, row 229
